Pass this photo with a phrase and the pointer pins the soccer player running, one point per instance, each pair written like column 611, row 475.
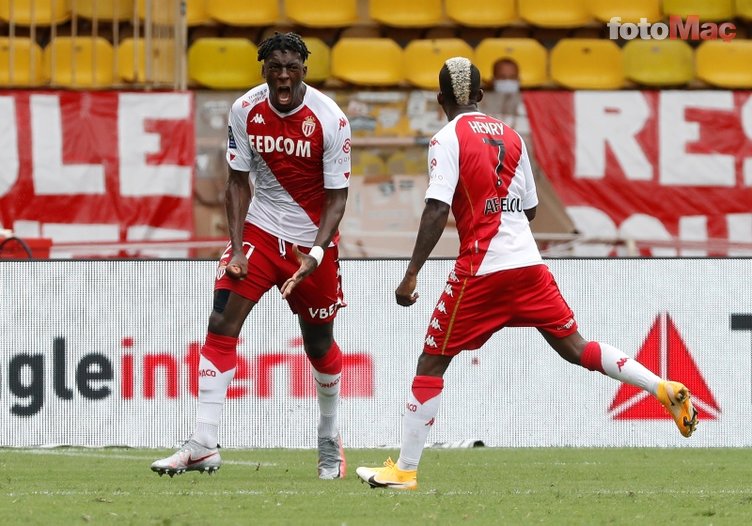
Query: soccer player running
column 292, row 143
column 479, row 167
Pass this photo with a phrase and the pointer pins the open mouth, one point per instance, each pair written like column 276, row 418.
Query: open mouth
column 284, row 95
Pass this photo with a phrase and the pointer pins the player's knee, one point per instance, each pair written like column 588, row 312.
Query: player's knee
column 317, row 344
column 317, row 347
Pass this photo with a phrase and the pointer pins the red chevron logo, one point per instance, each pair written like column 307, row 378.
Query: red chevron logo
column 665, row 353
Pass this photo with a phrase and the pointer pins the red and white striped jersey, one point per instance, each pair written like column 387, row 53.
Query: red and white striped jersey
column 479, row 166
column 291, row 157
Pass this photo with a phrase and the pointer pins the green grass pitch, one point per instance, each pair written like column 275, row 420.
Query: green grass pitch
column 469, row 486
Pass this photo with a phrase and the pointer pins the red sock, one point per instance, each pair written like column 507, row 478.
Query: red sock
column 426, row 387
column 330, row 363
column 591, row 357
column 221, row 351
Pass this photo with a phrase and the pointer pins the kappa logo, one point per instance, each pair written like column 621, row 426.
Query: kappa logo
column 258, row 119
column 430, row 342
column 621, row 363
column 665, row 353
column 435, row 324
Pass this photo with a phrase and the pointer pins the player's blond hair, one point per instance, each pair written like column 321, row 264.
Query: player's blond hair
column 460, row 80
column 459, row 73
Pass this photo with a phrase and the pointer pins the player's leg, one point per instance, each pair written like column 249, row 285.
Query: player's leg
column 604, row 358
column 608, row 360
column 417, row 420
column 233, row 301
column 217, row 362
column 466, row 315
column 326, row 366
column 555, row 321
column 422, row 407
column 316, row 300
column 216, row 370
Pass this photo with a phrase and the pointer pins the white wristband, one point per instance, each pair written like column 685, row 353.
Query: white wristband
column 317, row 253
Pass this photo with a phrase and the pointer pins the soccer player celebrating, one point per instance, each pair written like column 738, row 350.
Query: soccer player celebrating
column 479, row 167
column 292, row 144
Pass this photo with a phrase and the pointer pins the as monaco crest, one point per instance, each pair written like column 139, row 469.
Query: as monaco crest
column 309, row 125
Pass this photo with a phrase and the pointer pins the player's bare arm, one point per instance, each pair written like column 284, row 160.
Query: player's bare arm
column 331, row 216
column 237, row 199
column 432, row 224
column 530, row 213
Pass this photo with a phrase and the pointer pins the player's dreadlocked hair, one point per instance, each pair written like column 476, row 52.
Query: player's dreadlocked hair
column 459, row 80
column 283, row 42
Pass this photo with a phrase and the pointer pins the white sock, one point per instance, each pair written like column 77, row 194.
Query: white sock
column 212, row 389
column 415, row 428
column 327, row 390
column 621, row 367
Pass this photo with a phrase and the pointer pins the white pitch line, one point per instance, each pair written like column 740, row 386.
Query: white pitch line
column 74, row 493
column 87, row 454
column 694, row 492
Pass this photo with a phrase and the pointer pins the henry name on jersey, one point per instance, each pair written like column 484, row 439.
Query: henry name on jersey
column 490, row 128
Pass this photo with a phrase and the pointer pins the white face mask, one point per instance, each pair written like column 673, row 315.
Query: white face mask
column 506, row 86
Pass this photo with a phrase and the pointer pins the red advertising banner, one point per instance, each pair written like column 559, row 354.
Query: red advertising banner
column 651, row 165
column 97, row 166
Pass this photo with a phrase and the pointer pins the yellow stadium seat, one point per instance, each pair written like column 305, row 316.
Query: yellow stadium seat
column 658, row 62
column 481, row 13
column 103, row 9
column 322, row 13
column 424, row 59
column 628, row 10
column 402, row 13
column 725, row 64
column 529, row 54
column 79, row 62
column 319, row 61
column 744, row 9
column 368, row 61
column 234, row 13
column 166, row 12
column 38, row 12
column 131, row 57
column 707, row 10
column 554, row 13
column 20, row 63
column 587, row 63
column 224, row 63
